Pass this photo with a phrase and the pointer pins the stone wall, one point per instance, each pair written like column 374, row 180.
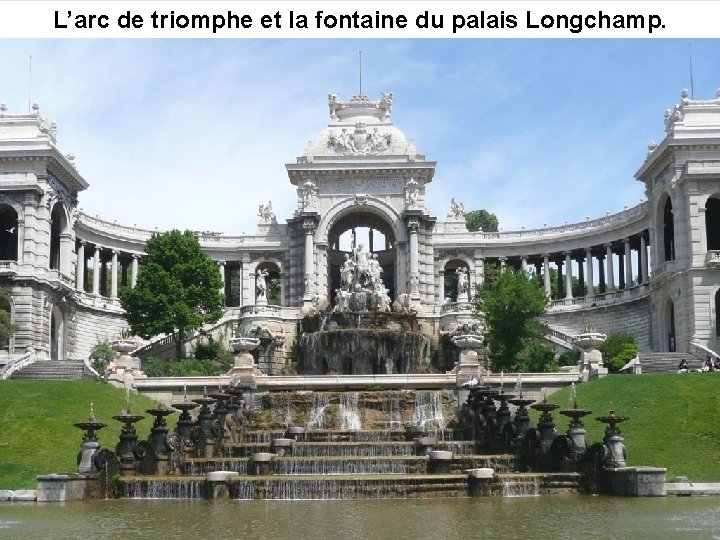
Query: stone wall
column 92, row 326
column 633, row 317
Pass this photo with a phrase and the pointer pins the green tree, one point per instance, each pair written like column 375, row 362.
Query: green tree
column 512, row 303
column 7, row 328
column 481, row 220
column 177, row 291
column 619, row 348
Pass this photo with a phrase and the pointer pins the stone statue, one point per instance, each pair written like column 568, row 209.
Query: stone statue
column 261, row 284
column 385, row 103
column 333, row 105
column 411, row 194
column 463, row 284
column 346, row 273
column 307, row 196
column 457, row 209
column 265, row 213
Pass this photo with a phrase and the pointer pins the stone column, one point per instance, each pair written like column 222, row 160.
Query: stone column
column 413, row 227
column 546, row 274
column 581, row 275
column 523, row 264
column 80, row 267
column 559, row 283
column 610, row 284
column 643, row 260
column 134, row 270
column 309, row 227
column 221, row 269
column 96, row 271
column 601, row 274
column 503, row 264
column 441, row 285
column 589, row 288
column 628, row 264
column 114, row 275
column 568, row 275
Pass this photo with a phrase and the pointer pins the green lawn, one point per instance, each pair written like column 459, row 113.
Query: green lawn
column 37, row 435
column 673, row 419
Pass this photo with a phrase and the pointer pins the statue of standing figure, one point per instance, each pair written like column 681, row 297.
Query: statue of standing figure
column 463, row 285
column 261, row 284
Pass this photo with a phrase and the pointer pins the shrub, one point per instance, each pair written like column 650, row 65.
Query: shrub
column 538, row 358
column 569, row 358
column 101, row 355
column 618, row 350
column 187, row 367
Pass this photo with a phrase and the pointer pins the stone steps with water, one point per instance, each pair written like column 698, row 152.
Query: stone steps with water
column 284, row 487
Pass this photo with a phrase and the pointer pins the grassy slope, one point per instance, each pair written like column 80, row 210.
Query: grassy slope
column 673, row 419
column 37, row 435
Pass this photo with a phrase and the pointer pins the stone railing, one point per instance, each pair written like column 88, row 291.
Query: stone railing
column 621, row 218
column 610, row 297
column 712, row 259
column 454, row 307
column 701, row 351
column 570, row 340
column 16, row 364
column 8, row 268
column 271, row 310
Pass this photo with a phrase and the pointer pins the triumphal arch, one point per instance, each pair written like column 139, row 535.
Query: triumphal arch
column 362, row 240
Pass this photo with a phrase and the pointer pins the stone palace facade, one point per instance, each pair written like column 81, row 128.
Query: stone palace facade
column 652, row 270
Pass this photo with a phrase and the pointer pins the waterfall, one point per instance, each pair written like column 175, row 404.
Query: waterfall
column 393, row 413
column 350, row 419
column 375, row 449
column 164, row 489
column 428, row 411
column 344, row 465
column 520, row 486
column 317, row 414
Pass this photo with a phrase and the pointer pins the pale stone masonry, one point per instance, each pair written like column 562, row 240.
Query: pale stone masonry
column 652, row 269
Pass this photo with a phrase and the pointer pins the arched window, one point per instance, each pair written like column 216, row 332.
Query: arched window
column 57, row 227
column 717, row 313
column 272, row 282
column 712, row 223
column 456, row 273
column 668, row 231
column 8, row 233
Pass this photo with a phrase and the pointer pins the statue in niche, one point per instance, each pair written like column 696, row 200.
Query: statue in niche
column 307, row 196
column 463, row 285
column 265, row 213
column 457, row 209
column 261, row 284
column 361, row 280
column 412, row 193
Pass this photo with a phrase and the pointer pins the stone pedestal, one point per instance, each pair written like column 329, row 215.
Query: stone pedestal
column 244, row 371
column 469, row 363
column 440, row 461
column 87, row 451
column 591, row 362
column 480, row 481
column 261, row 463
column 282, row 446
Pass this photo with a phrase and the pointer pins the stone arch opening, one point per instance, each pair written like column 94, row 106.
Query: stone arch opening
column 58, row 227
column 57, row 334
column 6, row 305
column 712, row 223
column 373, row 233
column 453, row 286
column 668, row 230
column 717, row 313
column 8, row 233
column 273, row 282
column 668, row 336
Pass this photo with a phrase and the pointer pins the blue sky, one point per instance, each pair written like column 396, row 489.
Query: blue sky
column 195, row 133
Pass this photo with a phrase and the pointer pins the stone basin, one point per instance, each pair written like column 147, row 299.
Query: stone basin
column 440, row 455
column 482, row 472
column 220, row 476
column 124, row 346
column 468, row 341
column 262, row 457
column 590, row 340
column 244, row 344
column 282, row 442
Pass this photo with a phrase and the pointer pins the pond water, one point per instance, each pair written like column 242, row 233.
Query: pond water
column 554, row 517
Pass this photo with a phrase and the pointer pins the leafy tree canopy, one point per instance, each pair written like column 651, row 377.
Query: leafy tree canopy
column 7, row 328
column 481, row 220
column 512, row 303
column 177, row 291
column 619, row 348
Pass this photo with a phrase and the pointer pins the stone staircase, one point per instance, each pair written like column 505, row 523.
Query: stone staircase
column 666, row 362
column 51, row 370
